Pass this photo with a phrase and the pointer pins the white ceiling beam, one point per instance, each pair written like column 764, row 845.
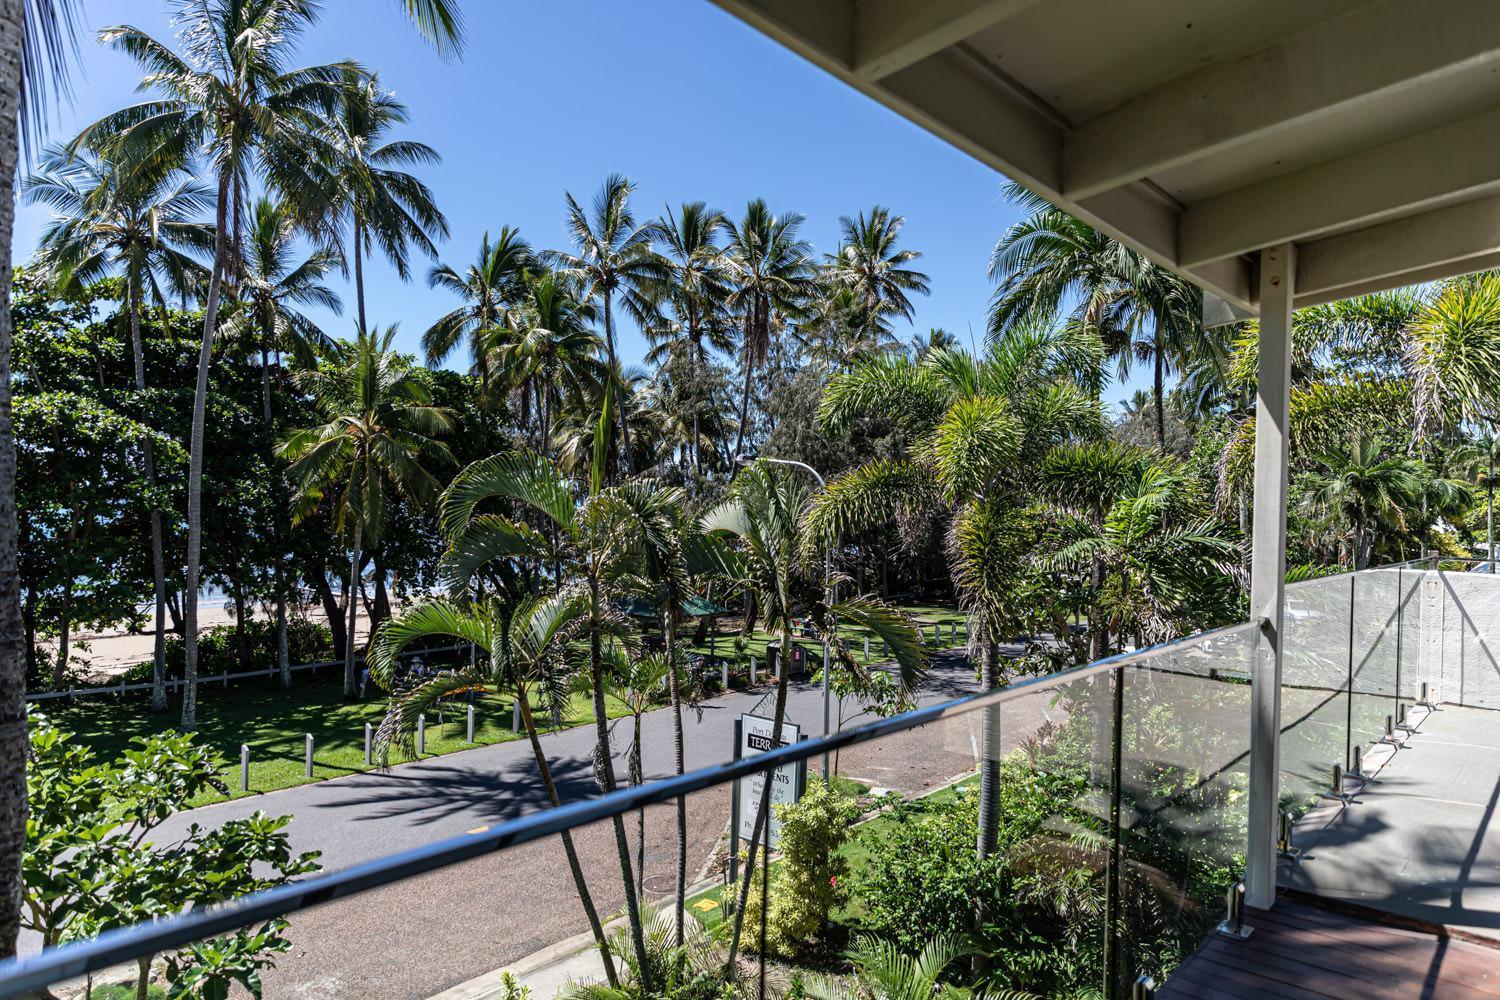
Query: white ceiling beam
column 963, row 100
column 1364, row 57
column 1422, row 247
column 890, row 35
column 1420, row 171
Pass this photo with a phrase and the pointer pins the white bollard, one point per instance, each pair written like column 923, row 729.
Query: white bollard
column 867, row 647
column 421, row 735
column 470, row 737
column 369, row 732
column 953, row 633
column 308, row 755
column 515, row 716
column 936, row 640
column 244, row 768
column 753, row 679
column 724, row 675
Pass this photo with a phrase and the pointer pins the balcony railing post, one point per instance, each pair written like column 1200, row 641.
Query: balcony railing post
column 1112, row 886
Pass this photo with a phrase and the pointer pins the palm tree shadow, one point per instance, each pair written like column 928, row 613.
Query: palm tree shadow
column 429, row 792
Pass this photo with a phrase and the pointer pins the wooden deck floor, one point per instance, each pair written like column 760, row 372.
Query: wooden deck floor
column 1301, row 950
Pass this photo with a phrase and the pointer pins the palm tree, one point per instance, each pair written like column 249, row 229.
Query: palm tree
column 771, row 273
column 547, row 350
column 981, row 427
column 868, row 263
column 768, row 514
column 496, row 280
column 36, row 37
column 635, row 681
column 614, row 256
column 233, row 100
column 881, row 972
column 376, row 444
column 526, row 649
column 696, row 289
column 1363, row 487
column 1142, row 311
column 379, row 203
column 108, row 220
column 595, row 541
column 272, row 284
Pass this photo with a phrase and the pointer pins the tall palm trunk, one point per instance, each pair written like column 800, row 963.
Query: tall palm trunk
column 763, row 811
column 352, row 600
column 628, row 459
column 1159, row 375
column 359, row 273
column 13, row 745
column 579, row 882
column 195, row 465
column 669, row 637
column 989, row 766
column 278, row 500
column 158, row 559
column 637, row 777
column 604, row 764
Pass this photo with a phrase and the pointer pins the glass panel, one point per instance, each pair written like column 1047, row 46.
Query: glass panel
column 1315, row 702
column 1184, row 770
column 1376, row 637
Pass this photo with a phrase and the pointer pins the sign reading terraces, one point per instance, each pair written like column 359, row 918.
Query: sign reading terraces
column 786, row 781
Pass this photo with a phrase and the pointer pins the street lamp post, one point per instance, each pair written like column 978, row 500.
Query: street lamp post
column 827, row 576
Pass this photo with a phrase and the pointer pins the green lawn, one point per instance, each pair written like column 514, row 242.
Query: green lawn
column 272, row 723
column 926, row 616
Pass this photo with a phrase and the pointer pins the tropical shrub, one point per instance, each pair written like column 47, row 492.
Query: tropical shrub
column 809, row 881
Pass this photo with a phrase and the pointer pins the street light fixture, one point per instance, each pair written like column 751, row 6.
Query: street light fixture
column 748, row 459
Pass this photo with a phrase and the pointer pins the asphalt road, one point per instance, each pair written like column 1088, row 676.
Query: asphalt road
column 422, row 935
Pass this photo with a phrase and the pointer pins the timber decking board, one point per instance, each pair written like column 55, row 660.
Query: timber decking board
column 1302, row 951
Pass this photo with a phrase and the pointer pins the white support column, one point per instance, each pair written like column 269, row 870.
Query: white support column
column 1278, row 265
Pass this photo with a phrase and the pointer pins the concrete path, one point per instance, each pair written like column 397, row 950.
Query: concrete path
column 1424, row 840
column 421, row 936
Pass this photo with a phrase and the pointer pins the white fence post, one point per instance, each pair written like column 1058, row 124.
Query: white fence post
column 309, row 753
column 471, row 725
column 244, row 768
column 753, row 678
column 421, row 734
column 515, row 715
column 368, row 733
column 867, row 647
column 724, row 675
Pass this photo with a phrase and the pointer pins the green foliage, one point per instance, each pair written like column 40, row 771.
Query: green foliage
column 807, row 884
column 89, row 865
column 308, row 641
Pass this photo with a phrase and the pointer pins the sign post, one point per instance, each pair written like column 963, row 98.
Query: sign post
column 754, row 737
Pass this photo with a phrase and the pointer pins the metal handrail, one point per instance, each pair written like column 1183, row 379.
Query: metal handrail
column 19, row 977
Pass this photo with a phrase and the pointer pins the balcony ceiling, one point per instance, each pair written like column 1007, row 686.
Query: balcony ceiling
column 1199, row 131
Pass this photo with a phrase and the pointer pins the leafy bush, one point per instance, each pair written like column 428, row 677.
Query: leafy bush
column 809, row 881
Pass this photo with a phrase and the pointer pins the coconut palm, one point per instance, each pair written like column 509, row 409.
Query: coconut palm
column 273, row 283
column 768, row 515
column 375, row 202
column 546, row 349
column 1142, row 311
column 868, row 263
column 770, row 273
column 595, row 541
column 1363, row 487
column 635, row 682
column 526, row 656
column 377, row 443
column 231, row 99
column 1452, row 351
column 37, row 38
column 613, row 256
column 980, row 425
column 496, row 280
column 695, row 288
column 109, row 220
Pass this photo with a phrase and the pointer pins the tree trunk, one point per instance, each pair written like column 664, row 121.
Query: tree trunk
column 604, row 764
column 195, row 468
column 143, row 976
column 65, row 628
column 628, row 459
column 241, row 637
column 739, row 435
column 669, row 636
column 989, row 766
column 332, row 612
column 278, row 499
column 1161, row 420
column 359, row 274
column 351, row 599
column 13, row 743
column 636, row 778
column 158, row 559
column 763, row 811
column 579, row 882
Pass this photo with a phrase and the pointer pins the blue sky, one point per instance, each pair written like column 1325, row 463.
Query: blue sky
column 676, row 94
